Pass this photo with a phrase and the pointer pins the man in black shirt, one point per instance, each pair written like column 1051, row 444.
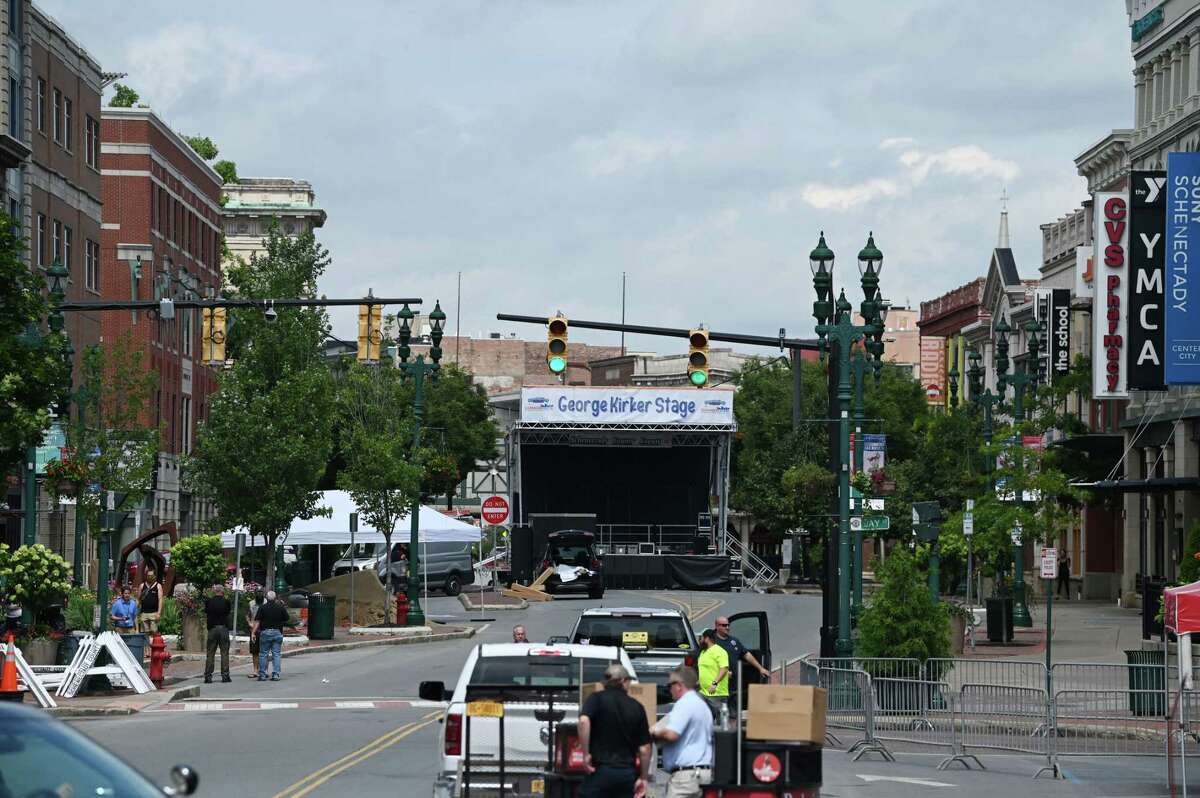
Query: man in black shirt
column 268, row 624
column 614, row 732
column 737, row 653
column 216, row 609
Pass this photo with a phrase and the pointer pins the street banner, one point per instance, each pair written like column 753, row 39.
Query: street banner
column 600, row 405
column 1182, row 338
column 1147, row 256
column 1110, row 320
column 874, row 452
column 1058, row 329
column 933, row 369
column 1084, row 282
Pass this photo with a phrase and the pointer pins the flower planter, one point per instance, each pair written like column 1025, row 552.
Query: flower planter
column 41, row 651
column 194, row 634
column 958, row 631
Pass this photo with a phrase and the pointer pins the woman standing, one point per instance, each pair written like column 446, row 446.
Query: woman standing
column 150, row 604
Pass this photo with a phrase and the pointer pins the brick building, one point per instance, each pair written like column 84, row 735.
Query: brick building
column 161, row 239
column 506, row 364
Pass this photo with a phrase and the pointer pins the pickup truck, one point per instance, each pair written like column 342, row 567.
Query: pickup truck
column 525, row 678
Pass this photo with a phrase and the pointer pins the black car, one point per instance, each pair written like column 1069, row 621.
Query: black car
column 576, row 566
column 41, row 756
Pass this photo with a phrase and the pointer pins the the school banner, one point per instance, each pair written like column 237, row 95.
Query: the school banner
column 1182, row 342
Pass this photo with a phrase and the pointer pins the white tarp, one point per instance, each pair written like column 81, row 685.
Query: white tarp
column 335, row 529
column 593, row 405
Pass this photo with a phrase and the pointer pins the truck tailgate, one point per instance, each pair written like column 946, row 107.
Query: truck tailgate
column 525, row 737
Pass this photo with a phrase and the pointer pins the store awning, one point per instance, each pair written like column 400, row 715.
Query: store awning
column 1157, row 485
column 1181, row 608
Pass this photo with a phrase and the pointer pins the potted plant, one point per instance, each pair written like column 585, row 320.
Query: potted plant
column 902, row 621
column 959, row 616
column 198, row 561
column 62, row 475
column 38, row 580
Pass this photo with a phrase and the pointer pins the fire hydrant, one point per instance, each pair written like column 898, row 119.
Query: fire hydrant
column 159, row 657
column 402, row 609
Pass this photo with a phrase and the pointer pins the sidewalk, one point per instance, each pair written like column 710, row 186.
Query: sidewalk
column 1084, row 631
column 182, row 675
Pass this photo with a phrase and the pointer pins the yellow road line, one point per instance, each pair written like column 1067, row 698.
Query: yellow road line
column 315, row 779
column 693, row 614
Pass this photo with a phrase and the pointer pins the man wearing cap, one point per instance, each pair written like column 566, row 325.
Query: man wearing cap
column 687, row 737
column 714, row 667
column 614, row 732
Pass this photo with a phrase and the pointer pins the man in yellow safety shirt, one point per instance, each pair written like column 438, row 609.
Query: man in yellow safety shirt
column 713, row 666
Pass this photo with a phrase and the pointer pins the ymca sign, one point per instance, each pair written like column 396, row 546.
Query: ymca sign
column 1182, row 321
column 1110, row 319
column 1147, row 254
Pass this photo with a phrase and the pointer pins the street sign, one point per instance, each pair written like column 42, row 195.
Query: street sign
column 916, row 515
column 876, row 523
column 968, row 525
column 494, row 510
column 970, row 506
column 1049, row 563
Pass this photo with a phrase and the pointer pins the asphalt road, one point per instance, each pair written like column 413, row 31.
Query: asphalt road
column 321, row 732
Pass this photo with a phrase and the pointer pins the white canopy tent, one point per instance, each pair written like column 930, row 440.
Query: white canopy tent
column 432, row 527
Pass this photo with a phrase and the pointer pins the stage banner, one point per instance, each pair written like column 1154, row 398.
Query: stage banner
column 1147, row 253
column 1058, row 329
column 1110, row 318
column 1182, row 344
column 599, row 405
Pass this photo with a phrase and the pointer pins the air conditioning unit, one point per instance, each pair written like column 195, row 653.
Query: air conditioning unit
column 646, row 548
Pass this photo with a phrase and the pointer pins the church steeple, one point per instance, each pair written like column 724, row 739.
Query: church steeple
column 1002, row 242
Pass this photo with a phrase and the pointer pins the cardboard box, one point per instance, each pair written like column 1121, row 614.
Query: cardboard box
column 786, row 713
column 645, row 693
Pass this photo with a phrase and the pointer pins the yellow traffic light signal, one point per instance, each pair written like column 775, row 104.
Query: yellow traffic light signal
column 212, row 335
column 698, row 358
column 556, row 343
column 370, row 331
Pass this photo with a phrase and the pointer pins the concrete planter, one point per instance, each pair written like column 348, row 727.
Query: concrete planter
column 958, row 630
column 194, row 633
column 41, row 651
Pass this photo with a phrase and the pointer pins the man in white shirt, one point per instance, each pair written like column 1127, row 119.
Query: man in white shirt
column 687, row 736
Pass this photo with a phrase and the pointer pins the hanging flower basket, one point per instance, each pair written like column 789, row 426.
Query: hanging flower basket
column 64, row 489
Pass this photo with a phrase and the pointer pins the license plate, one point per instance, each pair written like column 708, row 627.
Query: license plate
column 537, row 786
column 485, row 709
column 635, row 638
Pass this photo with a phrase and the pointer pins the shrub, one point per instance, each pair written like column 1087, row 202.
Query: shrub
column 1189, row 569
column 81, row 605
column 37, row 579
column 902, row 619
column 169, row 620
column 198, row 561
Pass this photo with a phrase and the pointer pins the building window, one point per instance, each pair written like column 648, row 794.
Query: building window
column 14, row 107
column 185, row 408
column 91, row 144
column 67, row 123
column 56, row 240
column 154, row 207
column 91, row 264
column 68, row 247
column 58, row 116
column 14, row 18
column 41, row 105
column 40, row 243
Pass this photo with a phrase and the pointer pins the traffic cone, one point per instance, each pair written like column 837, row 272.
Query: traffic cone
column 8, row 678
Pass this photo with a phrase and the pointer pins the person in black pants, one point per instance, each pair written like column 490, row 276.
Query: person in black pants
column 1064, row 572
column 216, row 609
column 614, row 732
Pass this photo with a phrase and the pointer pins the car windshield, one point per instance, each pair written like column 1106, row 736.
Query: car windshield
column 572, row 554
column 38, row 757
column 632, row 631
column 535, row 671
column 359, row 551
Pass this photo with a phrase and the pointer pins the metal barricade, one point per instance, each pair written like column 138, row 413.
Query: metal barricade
column 797, row 671
column 1001, row 718
column 1003, row 673
column 850, row 705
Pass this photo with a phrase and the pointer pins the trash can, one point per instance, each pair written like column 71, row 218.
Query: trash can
column 320, row 616
column 136, row 643
column 999, row 620
column 1147, row 683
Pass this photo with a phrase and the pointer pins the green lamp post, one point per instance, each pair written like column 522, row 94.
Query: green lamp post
column 417, row 371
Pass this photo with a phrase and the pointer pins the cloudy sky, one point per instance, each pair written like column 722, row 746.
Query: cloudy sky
column 543, row 148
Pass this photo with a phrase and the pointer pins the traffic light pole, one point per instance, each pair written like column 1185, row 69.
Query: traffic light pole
column 777, row 342
column 158, row 304
column 856, row 573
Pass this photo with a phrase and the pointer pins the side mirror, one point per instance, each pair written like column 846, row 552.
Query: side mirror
column 184, row 780
column 557, row 640
column 432, row 691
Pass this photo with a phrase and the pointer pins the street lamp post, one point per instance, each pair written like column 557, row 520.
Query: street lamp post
column 835, row 325
column 417, row 371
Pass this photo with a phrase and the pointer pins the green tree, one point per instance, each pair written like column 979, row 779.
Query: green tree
column 262, row 451
column 35, row 373
column 458, row 425
column 198, row 561
column 1189, row 569
column 124, row 97
column 902, row 619
column 203, row 146
column 227, row 170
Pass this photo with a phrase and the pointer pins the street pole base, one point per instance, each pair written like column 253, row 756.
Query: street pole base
column 415, row 618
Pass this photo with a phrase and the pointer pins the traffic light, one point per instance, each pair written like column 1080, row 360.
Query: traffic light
column 556, row 343
column 370, row 331
column 212, row 335
column 698, row 358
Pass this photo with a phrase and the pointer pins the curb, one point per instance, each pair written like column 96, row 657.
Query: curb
column 469, row 607
column 164, row 697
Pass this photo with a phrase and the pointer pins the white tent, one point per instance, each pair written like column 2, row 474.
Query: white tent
column 432, row 527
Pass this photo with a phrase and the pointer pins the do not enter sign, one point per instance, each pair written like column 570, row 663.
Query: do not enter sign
column 494, row 510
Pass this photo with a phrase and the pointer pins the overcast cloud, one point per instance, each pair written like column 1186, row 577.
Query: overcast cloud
column 543, row 148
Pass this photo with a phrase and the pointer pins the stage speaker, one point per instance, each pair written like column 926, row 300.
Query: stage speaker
column 521, row 543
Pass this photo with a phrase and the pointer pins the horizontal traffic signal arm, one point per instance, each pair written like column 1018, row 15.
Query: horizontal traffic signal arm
column 779, row 342
column 154, row 304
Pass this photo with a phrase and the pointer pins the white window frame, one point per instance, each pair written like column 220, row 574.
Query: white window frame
column 41, row 105
column 56, row 239
column 40, row 232
column 91, row 265
column 58, row 106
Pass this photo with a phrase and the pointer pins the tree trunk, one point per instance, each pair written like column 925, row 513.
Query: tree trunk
column 387, row 580
column 270, row 578
column 449, row 500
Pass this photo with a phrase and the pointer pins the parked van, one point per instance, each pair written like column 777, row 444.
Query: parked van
column 445, row 566
column 364, row 557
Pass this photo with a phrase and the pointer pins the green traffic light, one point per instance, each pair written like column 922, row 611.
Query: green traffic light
column 557, row 365
column 698, row 378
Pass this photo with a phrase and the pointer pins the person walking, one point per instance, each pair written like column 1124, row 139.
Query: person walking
column 1064, row 572
column 216, row 611
column 150, row 603
column 268, row 624
column 252, row 611
column 714, row 668
column 124, row 612
column 614, row 733
column 687, row 736
column 519, row 635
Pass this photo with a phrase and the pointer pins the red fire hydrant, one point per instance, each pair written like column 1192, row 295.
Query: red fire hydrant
column 402, row 609
column 159, row 657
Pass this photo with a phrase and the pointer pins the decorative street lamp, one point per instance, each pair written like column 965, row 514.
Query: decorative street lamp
column 417, row 371
column 834, row 325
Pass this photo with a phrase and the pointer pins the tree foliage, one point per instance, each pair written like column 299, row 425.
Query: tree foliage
column 203, row 146
column 198, row 561
column 458, row 428
column 227, row 170
column 35, row 373
column 125, row 97
column 902, row 619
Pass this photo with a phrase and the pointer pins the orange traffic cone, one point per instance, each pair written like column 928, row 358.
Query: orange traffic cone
column 8, row 678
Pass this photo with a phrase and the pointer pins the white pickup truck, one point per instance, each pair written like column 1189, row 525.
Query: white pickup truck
column 525, row 678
